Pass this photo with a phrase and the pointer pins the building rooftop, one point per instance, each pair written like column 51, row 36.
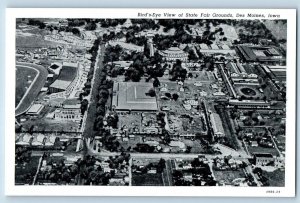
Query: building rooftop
column 35, row 109
column 132, row 96
column 263, row 155
column 216, row 123
column 71, row 103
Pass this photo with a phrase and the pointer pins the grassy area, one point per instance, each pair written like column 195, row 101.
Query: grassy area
column 24, row 77
column 278, row 28
column 276, row 178
column 228, row 176
column 35, row 89
column 259, row 149
column 147, row 179
column 34, row 41
column 53, row 125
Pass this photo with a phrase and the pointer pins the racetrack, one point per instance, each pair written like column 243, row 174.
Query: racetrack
column 33, row 89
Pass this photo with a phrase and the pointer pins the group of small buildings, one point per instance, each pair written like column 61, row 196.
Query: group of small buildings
column 36, row 139
column 69, row 38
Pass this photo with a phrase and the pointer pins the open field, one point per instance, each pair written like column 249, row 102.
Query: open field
column 34, row 89
column 24, row 77
column 147, row 179
column 34, row 41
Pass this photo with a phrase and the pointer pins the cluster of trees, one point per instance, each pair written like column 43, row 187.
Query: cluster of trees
column 76, row 22
column 160, row 166
column 112, row 53
column 252, row 31
column 22, row 155
column 87, row 86
column 138, row 40
column 145, row 24
column 38, row 23
column 91, row 26
column 83, row 171
column 144, row 148
column 110, row 142
column 199, row 170
column 102, row 97
column 178, row 72
column 74, row 30
column 105, row 23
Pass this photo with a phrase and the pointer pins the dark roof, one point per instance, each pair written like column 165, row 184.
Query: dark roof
column 267, row 155
column 54, row 66
column 67, row 73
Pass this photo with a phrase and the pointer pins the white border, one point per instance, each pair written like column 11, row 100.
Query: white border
column 12, row 190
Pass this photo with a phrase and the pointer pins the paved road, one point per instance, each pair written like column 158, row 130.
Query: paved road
column 34, row 88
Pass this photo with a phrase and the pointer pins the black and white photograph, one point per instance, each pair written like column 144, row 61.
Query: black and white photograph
column 161, row 99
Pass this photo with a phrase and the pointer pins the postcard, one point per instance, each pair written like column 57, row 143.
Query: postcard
column 150, row 102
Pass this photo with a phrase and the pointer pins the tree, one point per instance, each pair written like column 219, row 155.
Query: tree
column 196, row 163
column 175, row 96
column 156, row 82
column 84, row 105
column 151, row 93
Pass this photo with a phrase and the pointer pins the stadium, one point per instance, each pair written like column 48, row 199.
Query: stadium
column 66, row 79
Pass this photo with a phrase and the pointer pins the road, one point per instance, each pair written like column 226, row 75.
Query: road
column 99, row 59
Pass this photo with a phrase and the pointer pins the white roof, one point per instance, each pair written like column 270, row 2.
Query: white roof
column 35, row 108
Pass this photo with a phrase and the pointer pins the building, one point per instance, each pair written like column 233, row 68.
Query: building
column 132, row 96
column 241, row 74
column 70, row 110
column 215, row 49
column 236, row 70
column 277, row 73
column 263, row 159
column 216, row 124
column 121, row 64
column 35, row 109
column 263, row 54
column 66, row 80
column 249, row 103
column 174, row 53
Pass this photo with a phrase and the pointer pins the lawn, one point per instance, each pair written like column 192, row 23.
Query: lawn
column 259, row 149
column 276, row 178
column 228, row 176
column 24, row 77
column 147, row 179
